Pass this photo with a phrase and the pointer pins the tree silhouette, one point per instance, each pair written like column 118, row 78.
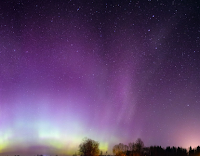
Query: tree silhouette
column 120, row 150
column 131, row 148
column 139, row 145
column 89, row 147
column 157, row 151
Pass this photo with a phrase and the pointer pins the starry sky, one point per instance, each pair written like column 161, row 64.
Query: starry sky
column 112, row 71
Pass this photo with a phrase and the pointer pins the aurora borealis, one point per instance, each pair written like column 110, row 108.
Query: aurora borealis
column 112, row 71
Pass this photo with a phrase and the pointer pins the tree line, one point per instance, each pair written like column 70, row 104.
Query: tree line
column 90, row 147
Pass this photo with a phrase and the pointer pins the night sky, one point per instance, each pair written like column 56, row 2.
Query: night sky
column 112, row 71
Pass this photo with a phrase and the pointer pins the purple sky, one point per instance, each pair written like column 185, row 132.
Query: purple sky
column 113, row 71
